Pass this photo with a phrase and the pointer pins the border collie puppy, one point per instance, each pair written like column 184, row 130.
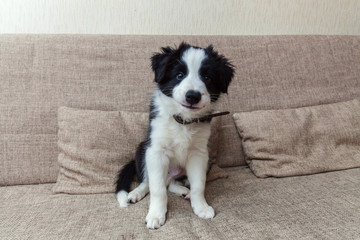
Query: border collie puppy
column 189, row 80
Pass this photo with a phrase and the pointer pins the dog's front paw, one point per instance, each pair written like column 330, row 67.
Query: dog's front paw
column 154, row 220
column 205, row 212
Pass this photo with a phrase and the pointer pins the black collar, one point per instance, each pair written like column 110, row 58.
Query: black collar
column 206, row 118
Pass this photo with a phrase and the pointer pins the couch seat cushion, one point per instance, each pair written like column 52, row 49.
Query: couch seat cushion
column 321, row 206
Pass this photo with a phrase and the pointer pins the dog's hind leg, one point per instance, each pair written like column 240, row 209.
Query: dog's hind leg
column 138, row 193
column 175, row 187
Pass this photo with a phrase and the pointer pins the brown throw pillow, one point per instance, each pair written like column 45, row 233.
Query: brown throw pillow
column 94, row 145
column 301, row 141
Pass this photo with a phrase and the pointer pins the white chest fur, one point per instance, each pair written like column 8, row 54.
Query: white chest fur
column 176, row 141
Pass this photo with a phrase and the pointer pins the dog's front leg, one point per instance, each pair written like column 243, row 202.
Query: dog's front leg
column 196, row 172
column 157, row 164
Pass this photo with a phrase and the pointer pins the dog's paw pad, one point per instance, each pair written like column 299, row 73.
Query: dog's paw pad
column 206, row 212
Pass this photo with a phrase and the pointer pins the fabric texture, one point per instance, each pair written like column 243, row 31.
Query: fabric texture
column 40, row 73
column 319, row 206
column 94, row 145
column 299, row 141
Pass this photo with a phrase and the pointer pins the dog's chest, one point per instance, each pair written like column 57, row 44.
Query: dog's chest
column 176, row 141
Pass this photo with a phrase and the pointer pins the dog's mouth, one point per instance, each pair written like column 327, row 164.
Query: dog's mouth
column 191, row 107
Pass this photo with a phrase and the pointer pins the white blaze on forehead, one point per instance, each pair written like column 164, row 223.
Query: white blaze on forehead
column 193, row 58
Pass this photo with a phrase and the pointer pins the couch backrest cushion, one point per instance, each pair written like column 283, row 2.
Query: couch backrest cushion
column 301, row 141
column 39, row 73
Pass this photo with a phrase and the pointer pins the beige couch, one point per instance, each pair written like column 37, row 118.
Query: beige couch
column 39, row 73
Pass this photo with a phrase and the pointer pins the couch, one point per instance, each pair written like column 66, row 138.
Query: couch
column 40, row 73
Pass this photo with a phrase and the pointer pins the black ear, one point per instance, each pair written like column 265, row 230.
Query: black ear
column 209, row 49
column 223, row 68
column 226, row 74
column 159, row 62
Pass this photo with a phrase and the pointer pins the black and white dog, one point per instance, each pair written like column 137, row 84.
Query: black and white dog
column 190, row 79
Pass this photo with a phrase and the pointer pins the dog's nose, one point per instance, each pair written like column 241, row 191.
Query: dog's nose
column 192, row 97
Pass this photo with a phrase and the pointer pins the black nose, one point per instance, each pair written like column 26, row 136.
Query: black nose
column 193, row 97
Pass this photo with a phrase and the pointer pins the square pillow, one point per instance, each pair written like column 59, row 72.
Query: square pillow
column 94, row 145
column 300, row 141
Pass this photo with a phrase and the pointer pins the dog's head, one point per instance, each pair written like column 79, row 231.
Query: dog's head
column 193, row 77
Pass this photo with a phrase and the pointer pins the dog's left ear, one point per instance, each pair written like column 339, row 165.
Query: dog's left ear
column 224, row 69
column 226, row 73
column 159, row 62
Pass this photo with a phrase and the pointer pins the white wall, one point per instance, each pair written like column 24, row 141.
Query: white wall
column 201, row 17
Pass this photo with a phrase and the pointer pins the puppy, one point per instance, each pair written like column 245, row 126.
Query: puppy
column 189, row 80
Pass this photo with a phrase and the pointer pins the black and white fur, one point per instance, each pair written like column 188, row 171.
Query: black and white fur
column 189, row 80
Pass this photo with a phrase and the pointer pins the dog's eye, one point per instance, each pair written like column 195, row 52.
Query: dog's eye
column 180, row 76
column 207, row 79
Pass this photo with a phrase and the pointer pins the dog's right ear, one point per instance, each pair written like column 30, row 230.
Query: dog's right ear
column 159, row 62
